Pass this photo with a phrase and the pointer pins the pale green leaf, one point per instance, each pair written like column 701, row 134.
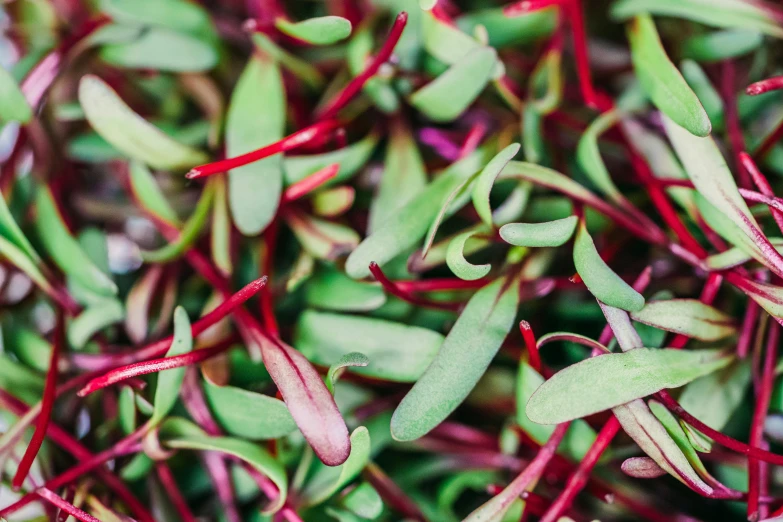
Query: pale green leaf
column 256, row 117
column 610, row 380
column 130, row 133
column 170, row 381
column 446, row 97
column 463, row 358
column 163, row 50
column 661, row 80
column 349, row 360
column 396, row 352
column 324, row 30
column 13, row 104
column 601, row 280
column 461, row 267
column 248, row 414
column 688, row 317
column 95, row 318
column 486, row 179
column 549, row 234
column 327, row 481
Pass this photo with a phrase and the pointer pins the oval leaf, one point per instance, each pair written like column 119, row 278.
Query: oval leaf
column 601, row 280
column 324, row 30
column 446, row 97
column 248, row 414
column 690, row 317
column 397, row 352
column 550, row 234
column 606, row 381
column 130, row 133
column 464, row 357
column 256, row 117
column 661, row 80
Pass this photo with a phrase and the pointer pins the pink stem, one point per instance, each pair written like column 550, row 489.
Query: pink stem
column 50, row 496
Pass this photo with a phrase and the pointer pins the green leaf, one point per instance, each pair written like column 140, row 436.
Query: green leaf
column 130, row 133
column 322, row 239
column 603, row 382
column 689, row 317
column 661, row 80
column 163, row 50
column 486, row 179
column 716, row 13
column 504, row 31
column 456, row 261
column 714, row 182
column 65, row 250
column 702, row 86
column 189, row 233
column 10, row 230
column 358, row 51
column 579, row 436
column 463, row 358
column 324, row 30
column 182, row 434
column 13, row 104
column 149, row 194
column 248, row 414
column 546, row 83
column 721, row 45
column 588, row 155
column 326, row 481
column 220, row 233
column 549, row 234
column 256, row 117
column 351, row 159
column 364, row 501
column 95, row 318
column 397, row 352
column 20, row 260
column 714, row 398
column 411, row 222
column 333, row 202
column 126, row 409
column 445, row 42
column 349, row 360
column 601, row 280
column 457, row 199
column 656, row 441
column 333, row 290
column 170, row 381
column 179, row 15
column 446, row 97
column 302, row 69
column 404, row 176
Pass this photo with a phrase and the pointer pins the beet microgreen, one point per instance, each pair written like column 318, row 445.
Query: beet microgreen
column 363, row 247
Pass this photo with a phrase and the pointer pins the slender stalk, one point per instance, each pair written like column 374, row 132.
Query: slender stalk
column 172, row 490
column 67, row 507
column 396, row 291
column 763, row 185
column 47, row 404
column 309, row 184
column 155, row 365
column 290, row 142
column 759, row 415
column 530, row 344
column 760, row 87
column 355, row 85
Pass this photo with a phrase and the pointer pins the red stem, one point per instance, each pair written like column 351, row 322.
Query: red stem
column 733, row 127
column 759, row 416
column 579, row 478
column 154, row 365
column 307, row 185
column 763, row 185
column 65, row 506
column 290, row 142
column 534, row 358
column 172, row 490
column 720, row 438
column 441, row 285
column 760, row 87
column 394, row 290
column 47, row 404
column 355, row 85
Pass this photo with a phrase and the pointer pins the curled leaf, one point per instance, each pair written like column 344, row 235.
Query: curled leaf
column 455, row 259
column 486, row 179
